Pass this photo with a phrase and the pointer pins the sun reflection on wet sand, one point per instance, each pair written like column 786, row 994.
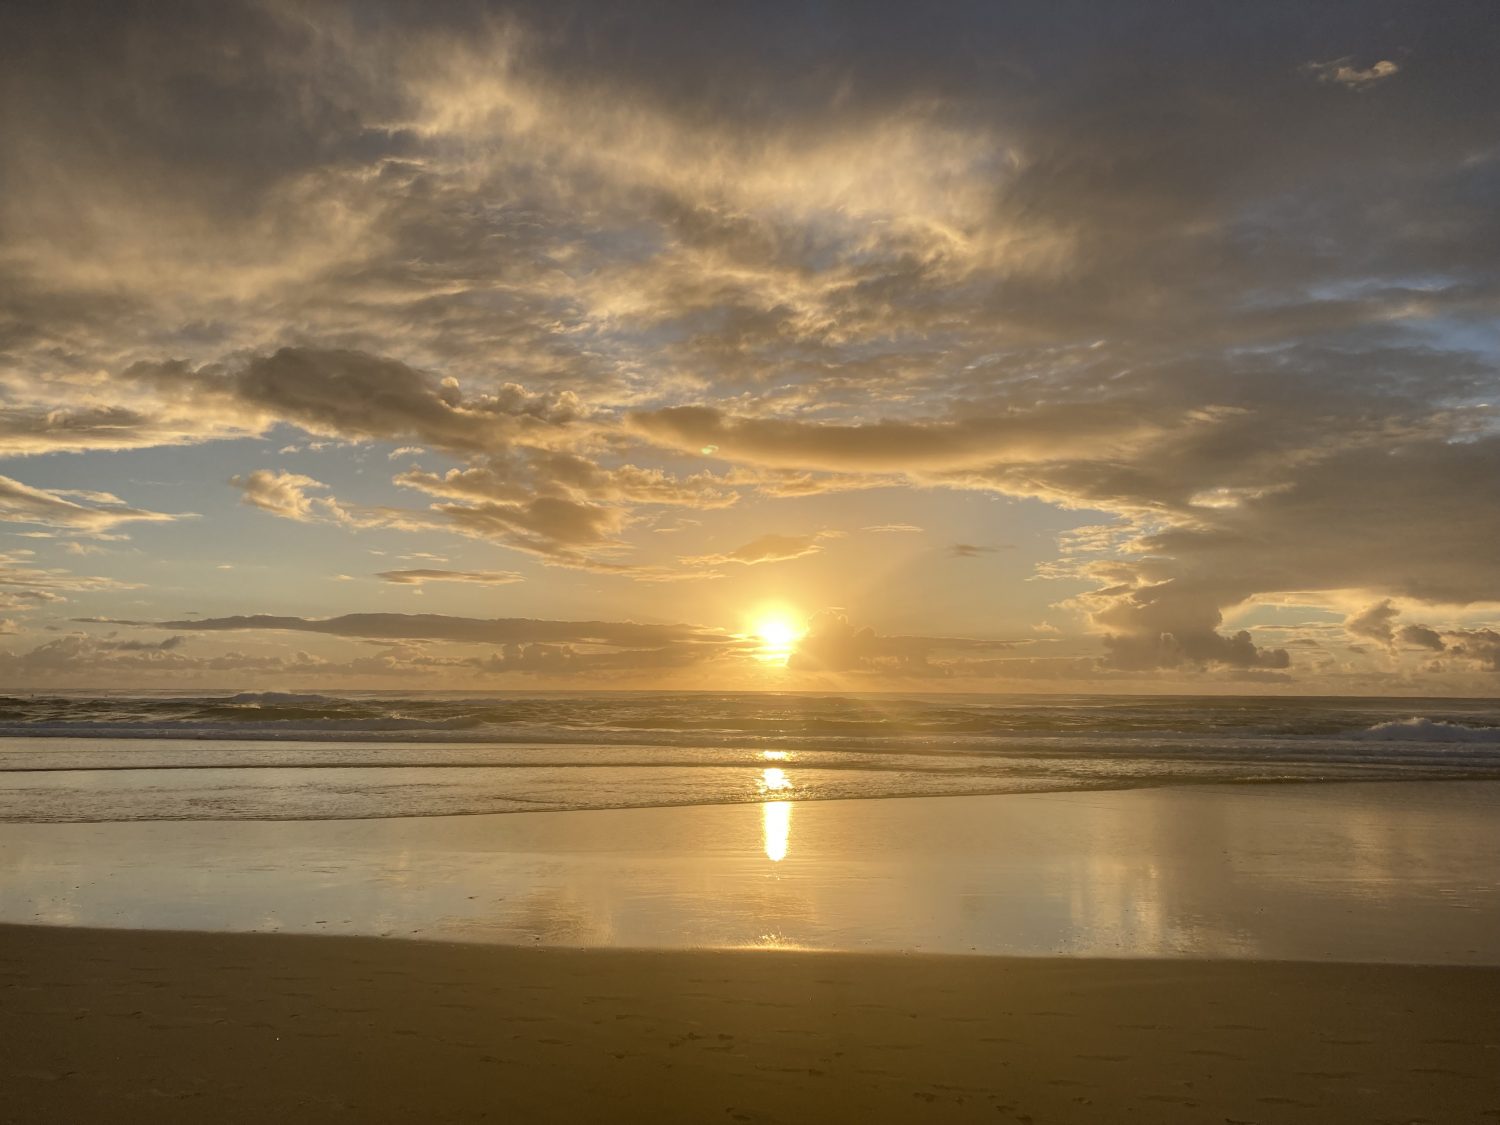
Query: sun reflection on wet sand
column 776, row 816
column 776, row 828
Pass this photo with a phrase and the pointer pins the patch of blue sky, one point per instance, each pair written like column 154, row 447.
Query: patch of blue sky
column 1353, row 288
column 1479, row 334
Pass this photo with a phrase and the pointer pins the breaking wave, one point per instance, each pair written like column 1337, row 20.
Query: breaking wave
column 261, row 698
column 1419, row 729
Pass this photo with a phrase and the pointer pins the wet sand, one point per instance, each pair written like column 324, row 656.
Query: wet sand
column 143, row 1026
column 1405, row 872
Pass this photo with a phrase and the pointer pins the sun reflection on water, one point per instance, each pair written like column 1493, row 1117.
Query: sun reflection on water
column 774, row 778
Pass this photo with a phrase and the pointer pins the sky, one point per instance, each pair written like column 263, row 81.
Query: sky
column 1083, row 347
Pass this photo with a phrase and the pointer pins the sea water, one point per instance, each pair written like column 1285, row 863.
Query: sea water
column 282, row 756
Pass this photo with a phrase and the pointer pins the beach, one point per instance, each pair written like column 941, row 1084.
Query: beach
column 749, row 563
column 163, row 1027
column 744, row 910
column 1258, row 954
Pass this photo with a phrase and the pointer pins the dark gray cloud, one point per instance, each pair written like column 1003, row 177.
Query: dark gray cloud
column 1411, row 519
column 80, row 654
column 48, row 429
column 465, row 630
column 516, row 645
column 79, row 659
column 1078, row 431
column 1479, row 646
column 1421, row 636
column 560, row 530
column 1375, row 622
column 352, row 394
column 973, row 550
column 530, row 471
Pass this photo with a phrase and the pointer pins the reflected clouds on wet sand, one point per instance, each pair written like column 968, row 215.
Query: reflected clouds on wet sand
column 1340, row 872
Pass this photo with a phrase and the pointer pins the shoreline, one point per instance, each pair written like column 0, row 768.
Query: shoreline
column 24, row 933
column 167, row 1027
column 1083, row 789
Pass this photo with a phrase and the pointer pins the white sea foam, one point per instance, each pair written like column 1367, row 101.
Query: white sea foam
column 277, row 698
column 1420, row 729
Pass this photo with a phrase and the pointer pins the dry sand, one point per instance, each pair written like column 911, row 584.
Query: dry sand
column 125, row 1026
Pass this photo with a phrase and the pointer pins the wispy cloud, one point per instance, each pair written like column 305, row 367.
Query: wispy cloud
column 475, row 577
column 766, row 548
column 73, row 509
column 974, row 550
column 1344, row 73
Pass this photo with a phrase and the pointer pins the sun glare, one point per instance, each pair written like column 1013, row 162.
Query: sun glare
column 777, row 633
column 777, row 636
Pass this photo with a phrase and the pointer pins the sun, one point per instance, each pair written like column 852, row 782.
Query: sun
column 776, row 633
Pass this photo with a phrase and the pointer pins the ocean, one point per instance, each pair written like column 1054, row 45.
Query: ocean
column 280, row 756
